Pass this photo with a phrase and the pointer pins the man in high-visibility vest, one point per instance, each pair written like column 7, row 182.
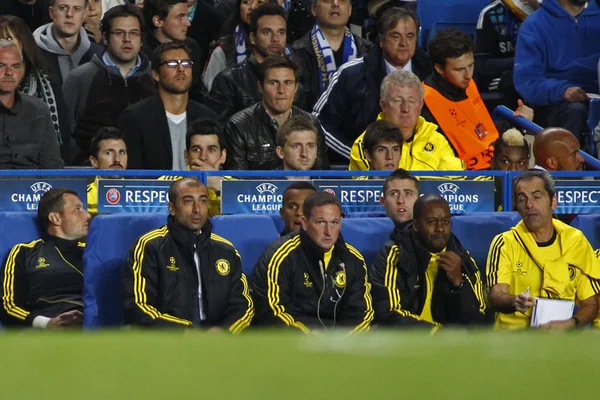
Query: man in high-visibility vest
column 453, row 102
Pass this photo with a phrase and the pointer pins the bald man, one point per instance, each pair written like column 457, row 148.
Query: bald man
column 182, row 274
column 424, row 276
column 557, row 149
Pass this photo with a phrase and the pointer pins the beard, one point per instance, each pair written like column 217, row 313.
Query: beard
column 173, row 89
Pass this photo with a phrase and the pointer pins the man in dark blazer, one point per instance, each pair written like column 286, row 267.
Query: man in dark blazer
column 155, row 127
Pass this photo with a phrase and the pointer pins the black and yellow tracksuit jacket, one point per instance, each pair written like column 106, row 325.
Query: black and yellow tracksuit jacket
column 160, row 280
column 292, row 287
column 400, row 285
column 42, row 278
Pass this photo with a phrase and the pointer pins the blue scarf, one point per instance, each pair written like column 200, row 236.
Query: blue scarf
column 325, row 56
column 239, row 40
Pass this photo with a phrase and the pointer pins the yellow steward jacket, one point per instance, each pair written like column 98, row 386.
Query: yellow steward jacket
column 427, row 151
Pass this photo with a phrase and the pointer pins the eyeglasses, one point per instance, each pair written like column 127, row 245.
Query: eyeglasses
column 176, row 63
column 122, row 34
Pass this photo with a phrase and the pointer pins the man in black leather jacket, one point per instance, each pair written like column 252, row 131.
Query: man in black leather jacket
column 250, row 135
column 236, row 88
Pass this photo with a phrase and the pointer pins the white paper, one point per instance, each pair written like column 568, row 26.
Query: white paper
column 546, row 310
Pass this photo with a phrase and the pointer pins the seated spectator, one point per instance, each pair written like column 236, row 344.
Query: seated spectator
column 42, row 281
column 206, row 24
column 203, row 271
column 250, row 134
column 29, row 140
column 91, row 24
column 236, row 88
column 511, row 152
column 312, row 279
column 39, row 82
column 167, row 21
column 423, row 148
column 400, row 192
column 292, row 207
column 155, row 128
column 452, row 100
column 382, row 146
column 205, row 151
column 328, row 46
column 351, row 101
column 541, row 257
column 97, row 92
column 297, row 142
column 556, row 60
column 557, row 149
column 438, row 283
column 63, row 42
column 495, row 42
column 108, row 150
column 233, row 47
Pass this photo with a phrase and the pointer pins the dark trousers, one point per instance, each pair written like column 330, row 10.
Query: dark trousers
column 570, row 116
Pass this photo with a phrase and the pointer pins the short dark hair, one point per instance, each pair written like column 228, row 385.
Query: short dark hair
column 381, row 131
column 273, row 62
column 156, row 57
column 419, row 207
column 264, row 10
column 390, row 18
column 51, row 3
column 449, row 43
column 298, row 185
column 535, row 173
column 401, row 174
column 204, row 126
column 126, row 10
column 174, row 188
column 105, row 133
column 294, row 124
column 159, row 8
column 319, row 199
column 51, row 201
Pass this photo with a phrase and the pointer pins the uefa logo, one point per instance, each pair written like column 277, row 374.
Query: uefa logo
column 113, row 196
column 40, row 187
column 330, row 191
column 266, row 187
column 448, row 188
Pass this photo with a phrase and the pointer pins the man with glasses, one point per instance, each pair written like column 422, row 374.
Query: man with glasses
column 155, row 128
column 97, row 92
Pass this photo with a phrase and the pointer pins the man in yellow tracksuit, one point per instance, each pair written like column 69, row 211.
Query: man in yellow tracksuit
column 541, row 257
column 424, row 149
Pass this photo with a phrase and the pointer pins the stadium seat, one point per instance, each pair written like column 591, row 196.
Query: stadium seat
column 589, row 224
column 476, row 231
column 250, row 234
column 108, row 241
column 438, row 14
column 592, row 122
column 19, row 227
column 367, row 235
column 278, row 221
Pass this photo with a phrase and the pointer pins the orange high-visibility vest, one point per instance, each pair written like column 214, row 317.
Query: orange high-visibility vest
column 467, row 125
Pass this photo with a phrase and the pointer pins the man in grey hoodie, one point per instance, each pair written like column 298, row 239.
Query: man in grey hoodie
column 64, row 42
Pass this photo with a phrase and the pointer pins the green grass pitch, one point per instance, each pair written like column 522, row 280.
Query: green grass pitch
column 285, row 365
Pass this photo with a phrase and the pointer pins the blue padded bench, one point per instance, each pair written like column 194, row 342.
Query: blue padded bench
column 589, row 224
column 111, row 236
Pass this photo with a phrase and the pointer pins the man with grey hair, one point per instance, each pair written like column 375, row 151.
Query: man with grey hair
column 28, row 137
column 423, row 148
column 541, row 257
column 351, row 101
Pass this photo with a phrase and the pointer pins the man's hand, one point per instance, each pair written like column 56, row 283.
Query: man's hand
column 523, row 111
column 575, row 94
column 559, row 325
column 523, row 302
column 451, row 263
column 69, row 318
